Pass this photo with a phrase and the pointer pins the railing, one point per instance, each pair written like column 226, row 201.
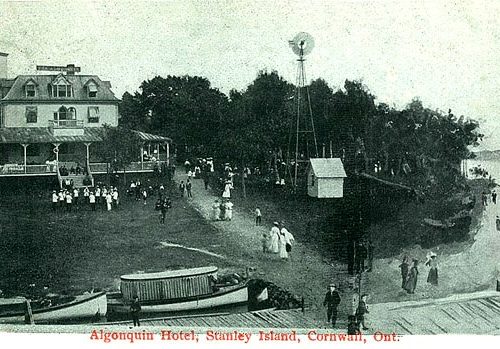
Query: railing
column 66, row 123
column 30, row 169
column 53, row 168
column 102, row 167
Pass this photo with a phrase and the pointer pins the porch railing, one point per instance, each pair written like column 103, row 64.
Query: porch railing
column 66, row 123
column 30, row 169
column 102, row 167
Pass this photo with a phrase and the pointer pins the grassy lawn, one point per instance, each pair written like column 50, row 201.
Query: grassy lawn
column 70, row 252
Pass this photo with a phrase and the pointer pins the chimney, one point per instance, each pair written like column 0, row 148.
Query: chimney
column 3, row 65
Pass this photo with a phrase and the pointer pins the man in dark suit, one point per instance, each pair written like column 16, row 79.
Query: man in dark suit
column 135, row 309
column 332, row 301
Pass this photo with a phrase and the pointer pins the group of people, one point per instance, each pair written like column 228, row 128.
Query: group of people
column 356, row 320
column 409, row 272
column 223, row 210
column 67, row 198
column 278, row 240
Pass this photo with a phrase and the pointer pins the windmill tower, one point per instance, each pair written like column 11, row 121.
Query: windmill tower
column 302, row 143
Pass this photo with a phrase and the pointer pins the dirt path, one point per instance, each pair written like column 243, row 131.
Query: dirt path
column 474, row 269
column 306, row 274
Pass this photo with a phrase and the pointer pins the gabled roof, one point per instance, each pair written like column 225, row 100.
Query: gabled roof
column 45, row 135
column 78, row 82
column 60, row 77
column 327, row 168
column 30, row 80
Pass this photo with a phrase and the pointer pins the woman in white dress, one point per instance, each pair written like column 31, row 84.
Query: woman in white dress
column 274, row 241
column 282, row 246
column 227, row 190
column 286, row 239
column 215, row 211
column 229, row 211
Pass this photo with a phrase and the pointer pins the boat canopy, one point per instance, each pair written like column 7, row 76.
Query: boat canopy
column 169, row 274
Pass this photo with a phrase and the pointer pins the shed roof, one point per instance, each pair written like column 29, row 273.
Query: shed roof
column 328, row 168
column 45, row 135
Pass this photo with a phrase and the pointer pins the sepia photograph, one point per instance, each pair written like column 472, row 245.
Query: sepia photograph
column 217, row 172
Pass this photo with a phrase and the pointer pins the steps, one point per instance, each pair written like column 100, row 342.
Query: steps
column 77, row 180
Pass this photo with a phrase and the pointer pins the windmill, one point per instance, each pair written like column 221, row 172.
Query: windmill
column 302, row 132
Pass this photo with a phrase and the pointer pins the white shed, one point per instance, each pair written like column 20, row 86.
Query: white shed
column 325, row 178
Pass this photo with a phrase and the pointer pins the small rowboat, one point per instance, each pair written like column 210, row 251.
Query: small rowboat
column 177, row 291
column 65, row 309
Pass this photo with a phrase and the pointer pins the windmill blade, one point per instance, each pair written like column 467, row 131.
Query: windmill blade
column 302, row 44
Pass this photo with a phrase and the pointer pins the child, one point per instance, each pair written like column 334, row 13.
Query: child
column 258, row 216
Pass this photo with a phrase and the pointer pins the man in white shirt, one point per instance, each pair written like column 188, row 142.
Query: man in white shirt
column 92, row 200
column 69, row 201
column 55, row 200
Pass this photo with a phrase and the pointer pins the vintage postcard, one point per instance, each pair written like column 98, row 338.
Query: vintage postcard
column 233, row 173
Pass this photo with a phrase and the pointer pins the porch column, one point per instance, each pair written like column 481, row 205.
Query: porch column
column 167, row 147
column 158, row 151
column 87, row 145
column 149, row 149
column 142, row 156
column 24, row 150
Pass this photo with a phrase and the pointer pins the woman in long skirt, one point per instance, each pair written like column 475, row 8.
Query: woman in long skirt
column 282, row 246
column 404, row 266
column 432, row 278
column 411, row 282
column 215, row 211
column 274, row 242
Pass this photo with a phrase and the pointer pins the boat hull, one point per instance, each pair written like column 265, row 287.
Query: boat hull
column 84, row 306
column 229, row 296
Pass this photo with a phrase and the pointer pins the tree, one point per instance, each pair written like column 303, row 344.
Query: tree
column 120, row 147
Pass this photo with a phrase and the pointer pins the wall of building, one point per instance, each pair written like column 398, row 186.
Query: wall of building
column 330, row 187
column 14, row 115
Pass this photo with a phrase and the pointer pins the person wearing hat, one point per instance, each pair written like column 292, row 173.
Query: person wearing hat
column 274, row 241
column 55, row 200
column 431, row 262
column 332, row 301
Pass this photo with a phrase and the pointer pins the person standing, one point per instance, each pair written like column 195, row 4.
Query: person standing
column 69, row 201
column 55, row 200
column 182, row 188
column 189, row 186
column 216, row 211
column 266, row 241
column 274, row 241
column 226, row 194
column 411, row 281
column 286, row 241
column 258, row 216
column 362, row 311
column 494, row 197
column 404, row 266
column 222, row 208
column 331, row 302
column 431, row 262
column 115, row 197
column 92, row 200
column 145, row 195
column 76, row 194
column 229, row 210
column 97, row 195
column 135, row 309
column 109, row 200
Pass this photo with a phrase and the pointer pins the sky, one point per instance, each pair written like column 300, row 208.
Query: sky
column 446, row 53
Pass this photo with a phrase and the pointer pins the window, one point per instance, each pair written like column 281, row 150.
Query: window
column 312, row 179
column 33, row 150
column 92, row 89
column 62, row 90
column 30, row 90
column 72, row 113
column 93, row 114
column 31, row 115
column 62, row 113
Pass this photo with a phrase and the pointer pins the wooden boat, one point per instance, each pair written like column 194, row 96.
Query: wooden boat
column 177, row 291
column 63, row 309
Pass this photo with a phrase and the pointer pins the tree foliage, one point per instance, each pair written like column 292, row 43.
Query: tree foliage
column 120, row 147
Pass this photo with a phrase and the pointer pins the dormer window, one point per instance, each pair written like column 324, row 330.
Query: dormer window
column 30, row 90
column 92, row 90
column 62, row 91
column 61, row 87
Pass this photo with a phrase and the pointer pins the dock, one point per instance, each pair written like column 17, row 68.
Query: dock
column 292, row 318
